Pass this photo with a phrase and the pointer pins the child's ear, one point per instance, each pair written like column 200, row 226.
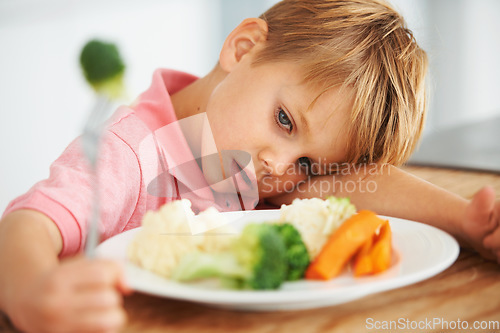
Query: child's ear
column 242, row 40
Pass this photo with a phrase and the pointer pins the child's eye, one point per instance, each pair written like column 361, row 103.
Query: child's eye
column 305, row 162
column 283, row 120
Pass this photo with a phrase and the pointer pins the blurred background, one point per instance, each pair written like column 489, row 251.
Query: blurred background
column 44, row 99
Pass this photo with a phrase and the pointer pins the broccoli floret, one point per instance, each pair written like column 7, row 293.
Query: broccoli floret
column 103, row 68
column 256, row 260
column 297, row 256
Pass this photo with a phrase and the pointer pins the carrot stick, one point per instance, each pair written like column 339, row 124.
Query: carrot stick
column 374, row 256
column 362, row 262
column 381, row 253
column 343, row 244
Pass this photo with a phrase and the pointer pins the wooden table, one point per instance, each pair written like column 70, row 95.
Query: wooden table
column 466, row 292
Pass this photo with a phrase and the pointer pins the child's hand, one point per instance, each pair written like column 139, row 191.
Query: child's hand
column 481, row 225
column 80, row 295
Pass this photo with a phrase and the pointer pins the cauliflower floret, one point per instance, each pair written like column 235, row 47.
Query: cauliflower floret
column 167, row 235
column 317, row 219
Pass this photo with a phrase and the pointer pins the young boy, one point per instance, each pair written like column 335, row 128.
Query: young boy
column 316, row 92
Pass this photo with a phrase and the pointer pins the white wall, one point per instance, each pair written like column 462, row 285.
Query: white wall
column 480, row 46
column 43, row 97
column 462, row 38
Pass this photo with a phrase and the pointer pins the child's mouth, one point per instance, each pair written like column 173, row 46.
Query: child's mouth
column 242, row 173
column 244, row 186
column 240, row 178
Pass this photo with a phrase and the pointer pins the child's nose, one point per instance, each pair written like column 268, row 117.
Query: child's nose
column 277, row 164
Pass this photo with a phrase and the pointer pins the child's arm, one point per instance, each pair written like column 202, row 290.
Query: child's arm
column 393, row 192
column 41, row 295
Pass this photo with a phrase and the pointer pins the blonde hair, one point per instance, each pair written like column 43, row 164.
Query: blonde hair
column 364, row 45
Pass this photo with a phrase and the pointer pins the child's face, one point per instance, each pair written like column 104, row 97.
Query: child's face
column 263, row 110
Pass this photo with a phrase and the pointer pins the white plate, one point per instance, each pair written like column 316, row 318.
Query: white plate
column 421, row 251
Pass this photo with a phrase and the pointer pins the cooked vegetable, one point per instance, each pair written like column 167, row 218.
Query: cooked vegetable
column 103, row 68
column 256, row 260
column 362, row 262
column 317, row 219
column 165, row 236
column 378, row 257
column 343, row 244
column 297, row 257
column 381, row 254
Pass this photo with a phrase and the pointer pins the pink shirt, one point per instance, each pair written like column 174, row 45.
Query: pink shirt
column 129, row 161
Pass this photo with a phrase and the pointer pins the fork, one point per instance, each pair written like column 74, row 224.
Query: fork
column 91, row 138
